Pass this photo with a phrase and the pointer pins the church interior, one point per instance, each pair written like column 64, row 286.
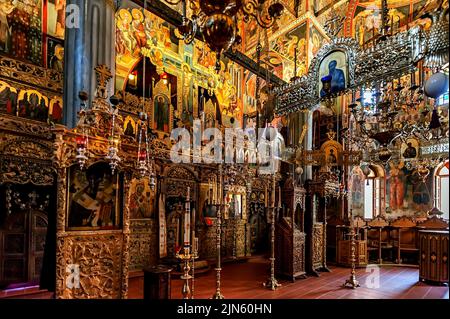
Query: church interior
column 236, row 149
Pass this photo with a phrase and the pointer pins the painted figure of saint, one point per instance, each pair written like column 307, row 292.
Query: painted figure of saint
column 8, row 101
column 161, row 122
column 60, row 7
column 19, row 21
column 56, row 112
column 410, row 151
column 331, row 157
column 93, row 203
column 6, row 8
column 140, row 203
column 396, row 189
column 337, row 79
column 57, row 60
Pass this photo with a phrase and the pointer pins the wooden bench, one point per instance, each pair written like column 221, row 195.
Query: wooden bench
column 378, row 237
column 405, row 237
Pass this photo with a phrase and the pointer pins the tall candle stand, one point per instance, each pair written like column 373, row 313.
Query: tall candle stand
column 194, row 256
column 352, row 282
column 272, row 282
column 220, row 206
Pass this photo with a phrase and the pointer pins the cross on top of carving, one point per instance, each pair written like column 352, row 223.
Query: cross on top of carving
column 103, row 76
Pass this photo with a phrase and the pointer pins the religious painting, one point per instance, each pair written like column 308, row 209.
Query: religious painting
column 251, row 34
column 20, row 29
column 56, row 11
column 8, row 98
column 129, row 127
column 55, row 54
column 234, row 202
column 93, row 198
column 356, row 194
column 55, row 109
column 332, row 152
column 203, row 56
column 161, row 109
column 6, row 7
column 407, row 193
column 317, row 41
column 286, row 44
column 142, row 199
column 175, row 214
column 138, row 30
column 33, row 105
column 209, row 108
column 333, row 73
column 410, row 149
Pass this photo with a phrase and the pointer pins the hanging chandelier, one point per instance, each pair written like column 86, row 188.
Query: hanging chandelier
column 217, row 21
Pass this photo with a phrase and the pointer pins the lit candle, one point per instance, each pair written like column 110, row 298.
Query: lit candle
column 187, row 220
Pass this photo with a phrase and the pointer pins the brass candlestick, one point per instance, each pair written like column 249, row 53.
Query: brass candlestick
column 186, row 257
column 272, row 282
column 220, row 206
column 194, row 256
column 352, row 282
column 218, row 294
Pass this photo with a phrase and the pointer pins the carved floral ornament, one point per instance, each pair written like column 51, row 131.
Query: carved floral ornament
column 21, row 162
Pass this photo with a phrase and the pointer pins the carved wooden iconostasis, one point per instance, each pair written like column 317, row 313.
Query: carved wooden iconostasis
column 27, row 192
column 31, row 83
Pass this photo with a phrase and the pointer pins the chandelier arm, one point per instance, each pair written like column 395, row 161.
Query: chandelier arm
column 189, row 38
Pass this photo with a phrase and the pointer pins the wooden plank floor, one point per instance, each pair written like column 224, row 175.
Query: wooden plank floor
column 244, row 281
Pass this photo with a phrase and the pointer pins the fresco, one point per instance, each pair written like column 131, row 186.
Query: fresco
column 56, row 10
column 406, row 192
column 30, row 104
column 26, row 30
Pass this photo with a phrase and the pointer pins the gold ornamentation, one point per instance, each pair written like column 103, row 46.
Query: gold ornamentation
column 25, row 126
column 31, row 74
column 99, row 258
column 317, row 245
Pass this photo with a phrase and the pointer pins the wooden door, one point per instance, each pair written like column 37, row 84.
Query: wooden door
column 22, row 243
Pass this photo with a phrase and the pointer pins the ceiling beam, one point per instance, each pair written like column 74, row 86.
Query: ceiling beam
column 170, row 15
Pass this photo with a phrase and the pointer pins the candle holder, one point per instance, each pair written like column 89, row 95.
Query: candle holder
column 352, row 282
column 186, row 257
column 218, row 294
column 220, row 207
column 194, row 256
column 272, row 282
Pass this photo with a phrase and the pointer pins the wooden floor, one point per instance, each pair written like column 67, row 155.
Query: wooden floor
column 244, row 281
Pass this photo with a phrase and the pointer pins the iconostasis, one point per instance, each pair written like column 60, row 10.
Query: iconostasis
column 32, row 39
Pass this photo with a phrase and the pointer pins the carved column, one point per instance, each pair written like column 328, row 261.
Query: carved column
column 89, row 44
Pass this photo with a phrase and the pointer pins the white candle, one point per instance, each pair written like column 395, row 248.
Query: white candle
column 187, row 220
column 279, row 196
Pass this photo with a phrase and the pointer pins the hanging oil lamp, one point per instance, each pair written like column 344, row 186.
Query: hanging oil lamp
column 142, row 164
column 114, row 141
column 81, row 156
